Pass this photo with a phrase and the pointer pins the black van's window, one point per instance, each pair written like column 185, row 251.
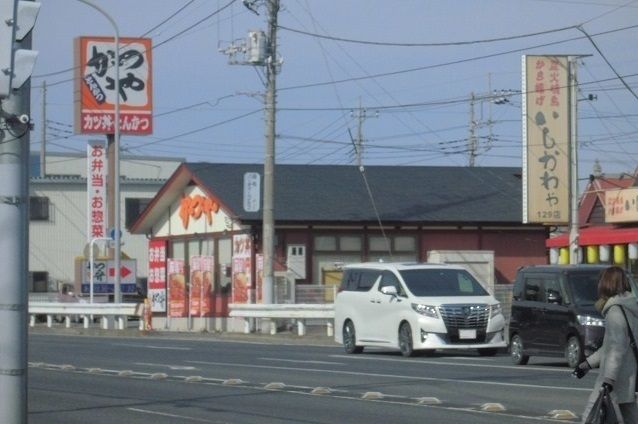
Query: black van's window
column 552, row 286
column 442, row 282
column 389, row 279
column 533, row 289
column 584, row 287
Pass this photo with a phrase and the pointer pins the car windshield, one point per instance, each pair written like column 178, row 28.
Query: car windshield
column 442, row 282
column 584, row 287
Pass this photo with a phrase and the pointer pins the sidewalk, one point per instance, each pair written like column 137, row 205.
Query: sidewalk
column 314, row 336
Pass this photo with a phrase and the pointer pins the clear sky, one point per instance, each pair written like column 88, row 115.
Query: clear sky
column 412, row 64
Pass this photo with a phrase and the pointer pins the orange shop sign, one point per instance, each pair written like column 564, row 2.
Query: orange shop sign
column 95, row 85
column 196, row 206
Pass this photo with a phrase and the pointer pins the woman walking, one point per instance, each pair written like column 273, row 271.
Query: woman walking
column 615, row 357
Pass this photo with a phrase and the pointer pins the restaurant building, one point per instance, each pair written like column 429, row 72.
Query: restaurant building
column 205, row 252
column 608, row 213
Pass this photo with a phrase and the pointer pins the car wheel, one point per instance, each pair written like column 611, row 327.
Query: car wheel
column 405, row 340
column 350, row 339
column 488, row 351
column 573, row 352
column 516, row 351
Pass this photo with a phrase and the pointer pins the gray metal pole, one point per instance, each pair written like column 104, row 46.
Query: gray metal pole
column 268, row 237
column 115, row 200
column 43, row 132
column 14, row 202
column 573, row 161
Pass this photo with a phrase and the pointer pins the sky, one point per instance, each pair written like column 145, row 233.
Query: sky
column 400, row 73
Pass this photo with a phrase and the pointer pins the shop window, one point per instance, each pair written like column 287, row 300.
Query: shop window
column 350, row 244
column 325, row 243
column 379, row 244
column 404, row 244
column 134, row 208
column 38, row 208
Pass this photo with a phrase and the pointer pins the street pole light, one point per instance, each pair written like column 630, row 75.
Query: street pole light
column 116, row 146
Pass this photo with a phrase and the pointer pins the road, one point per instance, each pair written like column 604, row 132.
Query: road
column 207, row 379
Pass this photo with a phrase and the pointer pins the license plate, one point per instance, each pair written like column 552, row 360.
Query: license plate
column 467, row 334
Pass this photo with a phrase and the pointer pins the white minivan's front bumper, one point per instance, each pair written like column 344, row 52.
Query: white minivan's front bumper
column 431, row 333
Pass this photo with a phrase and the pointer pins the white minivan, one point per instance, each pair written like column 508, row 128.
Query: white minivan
column 416, row 307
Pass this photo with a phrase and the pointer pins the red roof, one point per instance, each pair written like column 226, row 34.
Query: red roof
column 597, row 236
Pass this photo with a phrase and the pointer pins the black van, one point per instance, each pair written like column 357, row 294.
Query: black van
column 553, row 313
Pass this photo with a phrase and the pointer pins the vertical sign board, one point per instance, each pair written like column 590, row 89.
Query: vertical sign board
column 95, row 86
column 96, row 189
column 177, row 290
column 242, row 268
column 156, row 285
column 252, row 191
column 546, row 159
column 201, row 285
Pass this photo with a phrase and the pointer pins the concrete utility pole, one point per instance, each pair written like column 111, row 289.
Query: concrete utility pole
column 16, row 64
column 268, row 230
column 14, row 230
column 43, row 132
column 361, row 115
column 573, row 161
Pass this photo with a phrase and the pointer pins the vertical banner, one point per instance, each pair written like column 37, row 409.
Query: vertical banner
column 96, row 189
column 259, row 278
column 242, row 282
column 95, row 85
column 201, row 286
column 156, row 285
column 177, row 292
column 546, row 159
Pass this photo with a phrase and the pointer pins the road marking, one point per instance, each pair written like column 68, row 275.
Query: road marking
column 152, row 346
column 181, row 417
column 463, row 364
column 397, row 376
column 172, row 367
column 302, row 362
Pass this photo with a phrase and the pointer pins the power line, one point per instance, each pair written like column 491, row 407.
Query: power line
column 446, row 44
column 454, row 62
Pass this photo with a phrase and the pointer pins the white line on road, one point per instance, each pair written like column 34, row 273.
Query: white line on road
column 152, row 346
column 302, row 362
column 181, row 417
column 397, row 376
column 463, row 364
column 173, row 367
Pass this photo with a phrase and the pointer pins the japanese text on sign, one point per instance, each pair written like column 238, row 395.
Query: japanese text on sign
column 546, row 139
column 96, row 189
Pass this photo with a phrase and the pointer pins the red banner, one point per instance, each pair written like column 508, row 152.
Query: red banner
column 177, row 291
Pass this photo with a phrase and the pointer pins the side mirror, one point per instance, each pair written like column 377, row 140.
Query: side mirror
column 389, row 290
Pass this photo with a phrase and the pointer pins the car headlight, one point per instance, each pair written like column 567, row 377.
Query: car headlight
column 495, row 310
column 589, row 320
column 427, row 310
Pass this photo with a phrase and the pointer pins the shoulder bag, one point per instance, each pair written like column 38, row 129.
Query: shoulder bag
column 632, row 343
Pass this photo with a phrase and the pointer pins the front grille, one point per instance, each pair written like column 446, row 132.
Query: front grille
column 465, row 317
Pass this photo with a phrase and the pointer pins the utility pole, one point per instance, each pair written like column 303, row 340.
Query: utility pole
column 17, row 18
column 471, row 148
column 268, row 236
column 361, row 115
column 497, row 97
column 43, row 132
column 260, row 49
column 573, row 161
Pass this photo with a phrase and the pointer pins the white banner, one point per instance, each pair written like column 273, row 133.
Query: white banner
column 96, row 189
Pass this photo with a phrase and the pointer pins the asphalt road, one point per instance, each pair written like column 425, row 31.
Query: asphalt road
column 167, row 378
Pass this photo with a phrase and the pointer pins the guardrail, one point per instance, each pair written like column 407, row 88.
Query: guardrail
column 106, row 312
column 298, row 312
